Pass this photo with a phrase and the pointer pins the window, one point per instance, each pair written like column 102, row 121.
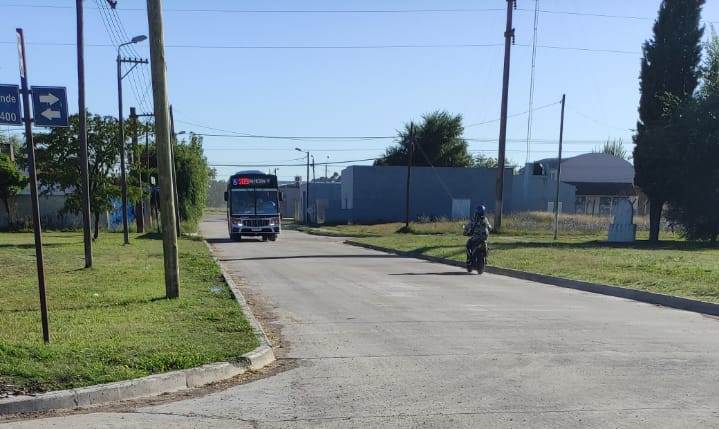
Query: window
column 242, row 202
column 266, row 202
column 251, row 201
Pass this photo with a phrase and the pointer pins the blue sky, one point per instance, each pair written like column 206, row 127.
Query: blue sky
column 353, row 92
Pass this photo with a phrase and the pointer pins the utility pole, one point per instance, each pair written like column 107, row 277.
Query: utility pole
column 123, row 155
column 173, row 144
column 314, row 178
column 164, row 148
column 37, row 228
column 508, row 40
column 327, row 178
column 409, row 174
column 82, row 114
column 123, row 174
column 137, row 161
column 147, row 166
column 559, row 169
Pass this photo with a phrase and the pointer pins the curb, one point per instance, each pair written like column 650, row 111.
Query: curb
column 152, row 385
column 678, row 303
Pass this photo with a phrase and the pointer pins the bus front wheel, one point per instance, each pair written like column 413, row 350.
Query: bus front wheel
column 235, row 237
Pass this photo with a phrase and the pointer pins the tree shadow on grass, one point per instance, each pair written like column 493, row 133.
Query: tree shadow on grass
column 98, row 305
column 32, row 245
column 150, row 236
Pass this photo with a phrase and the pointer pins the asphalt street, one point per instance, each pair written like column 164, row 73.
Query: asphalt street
column 377, row 340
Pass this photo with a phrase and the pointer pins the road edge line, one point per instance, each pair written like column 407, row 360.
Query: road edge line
column 156, row 384
column 675, row 302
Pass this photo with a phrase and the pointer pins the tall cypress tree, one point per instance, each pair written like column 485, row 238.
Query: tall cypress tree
column 669, row 74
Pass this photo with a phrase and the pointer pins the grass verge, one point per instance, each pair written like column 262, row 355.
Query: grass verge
column 111, row 322
column 672, row 267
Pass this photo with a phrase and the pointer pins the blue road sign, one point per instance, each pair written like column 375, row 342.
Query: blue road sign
column 10, row 105
column 49, row 106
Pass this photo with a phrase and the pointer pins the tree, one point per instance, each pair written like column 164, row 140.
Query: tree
column 614, row 147
column 438, row 140
column 59, row 168
column 697, row 121
column 484, row 161
column 193, row 178
column 669, row 70
column 11, row 182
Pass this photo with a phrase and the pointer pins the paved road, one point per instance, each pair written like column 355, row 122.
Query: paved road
column 385, row 341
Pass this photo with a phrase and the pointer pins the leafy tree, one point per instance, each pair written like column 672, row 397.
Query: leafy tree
column 11, row 182
column 696, row 120
column 438, row 140
column 216, row 194
column 484, row 161
column 193, row 178
column 59, row 168
column 669, row 71
column 614, row 147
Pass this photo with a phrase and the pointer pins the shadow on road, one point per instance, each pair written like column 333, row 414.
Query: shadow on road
column 269, row 258
column 444, row 273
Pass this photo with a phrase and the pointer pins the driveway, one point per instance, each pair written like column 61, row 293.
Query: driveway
column 376, row 340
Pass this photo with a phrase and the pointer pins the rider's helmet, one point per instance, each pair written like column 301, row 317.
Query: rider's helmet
column 480, row 211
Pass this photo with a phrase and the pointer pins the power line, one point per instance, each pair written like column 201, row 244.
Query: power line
column 298, row 138
column 350, row 11
column 476, row 124
column 294, row 165
column 347, row 47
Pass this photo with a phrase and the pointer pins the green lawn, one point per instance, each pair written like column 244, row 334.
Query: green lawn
column 673, row 267
column 111, row 322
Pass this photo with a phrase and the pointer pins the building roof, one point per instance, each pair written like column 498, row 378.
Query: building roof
column 593, row 168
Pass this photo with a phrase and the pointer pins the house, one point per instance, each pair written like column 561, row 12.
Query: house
column 600, row 180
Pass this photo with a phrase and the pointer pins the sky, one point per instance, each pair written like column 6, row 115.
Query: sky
column 303, row 68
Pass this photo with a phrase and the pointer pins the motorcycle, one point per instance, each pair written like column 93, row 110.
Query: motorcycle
column 477, row 252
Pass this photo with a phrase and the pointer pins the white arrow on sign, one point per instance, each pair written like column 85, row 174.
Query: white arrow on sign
column 49, row 99
column 51, row 114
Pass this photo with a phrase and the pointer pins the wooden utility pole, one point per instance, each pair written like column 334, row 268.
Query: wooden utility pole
column 173, row 143
column 82, row 114
column 36, row 226
column 409, row 175
column 559, row 169
column 164, row 148
column 508, row 39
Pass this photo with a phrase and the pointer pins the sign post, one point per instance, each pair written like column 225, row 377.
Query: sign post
column 33, row 185
column 49, row 108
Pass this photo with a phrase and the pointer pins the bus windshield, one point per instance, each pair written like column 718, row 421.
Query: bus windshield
column 253, row 201
column 266, row 202
column 242, row 202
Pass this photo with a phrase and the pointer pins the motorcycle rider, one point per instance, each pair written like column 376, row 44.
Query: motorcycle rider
column 478, row 232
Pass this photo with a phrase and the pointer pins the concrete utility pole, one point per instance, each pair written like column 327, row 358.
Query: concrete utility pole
column 123, row 155
column 508, row 40
column 82, row 114
column 164, row 149
column 37, row 227
column 409, row 175
column 559, row 169
column 137, row 161
column 307, row 191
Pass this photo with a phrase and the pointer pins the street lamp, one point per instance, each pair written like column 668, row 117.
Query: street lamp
column 307, row 191
column 123, row 173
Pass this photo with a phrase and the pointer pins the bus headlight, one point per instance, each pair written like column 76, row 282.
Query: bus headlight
column 237, row 222
column 274, row 221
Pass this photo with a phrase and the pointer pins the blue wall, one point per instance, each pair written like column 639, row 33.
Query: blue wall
column 377, row 194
